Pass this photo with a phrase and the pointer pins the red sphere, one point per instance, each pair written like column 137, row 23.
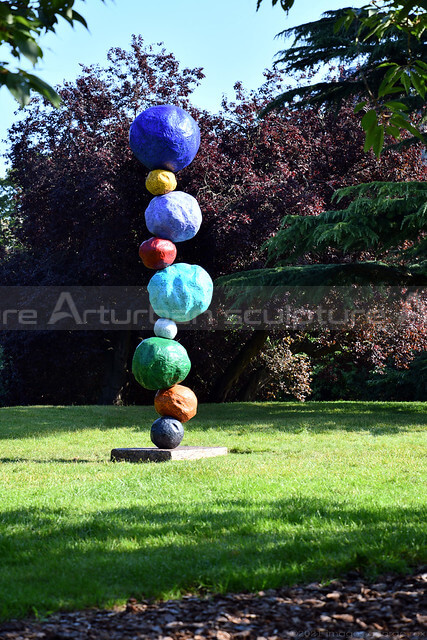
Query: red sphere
column 157, row 253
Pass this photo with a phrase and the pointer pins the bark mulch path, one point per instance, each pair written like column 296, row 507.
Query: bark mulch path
column 392, row 607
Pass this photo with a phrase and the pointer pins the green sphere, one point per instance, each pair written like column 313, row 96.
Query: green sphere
column 159, row 363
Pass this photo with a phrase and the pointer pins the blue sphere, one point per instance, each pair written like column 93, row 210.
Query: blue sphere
column 180, row 292
column 166, row 432
column 164, row 137
column 174, row 216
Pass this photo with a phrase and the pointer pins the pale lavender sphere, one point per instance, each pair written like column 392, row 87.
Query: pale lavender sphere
column 175, row 216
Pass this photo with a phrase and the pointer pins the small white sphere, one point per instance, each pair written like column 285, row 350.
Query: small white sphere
column 165, row 328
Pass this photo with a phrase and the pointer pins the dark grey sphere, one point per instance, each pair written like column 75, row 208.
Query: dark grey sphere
column 166, row 432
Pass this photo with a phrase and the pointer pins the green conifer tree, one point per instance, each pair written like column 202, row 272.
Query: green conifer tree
column 382, row 53
column 385, row 221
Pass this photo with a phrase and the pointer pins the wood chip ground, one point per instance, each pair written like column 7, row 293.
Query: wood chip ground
column 392, row 607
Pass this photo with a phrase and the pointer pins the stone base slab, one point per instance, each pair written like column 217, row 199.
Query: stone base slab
column 152, row 454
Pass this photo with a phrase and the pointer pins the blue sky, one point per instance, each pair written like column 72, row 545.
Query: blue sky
column 229, row 38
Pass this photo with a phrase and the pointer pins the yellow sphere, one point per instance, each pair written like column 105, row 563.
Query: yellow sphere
column 160, row 182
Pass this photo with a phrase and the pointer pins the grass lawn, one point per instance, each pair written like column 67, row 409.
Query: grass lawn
column 308, row 492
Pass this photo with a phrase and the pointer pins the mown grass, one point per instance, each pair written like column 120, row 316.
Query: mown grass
column 309, row 491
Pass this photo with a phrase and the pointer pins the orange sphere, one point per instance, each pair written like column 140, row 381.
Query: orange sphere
column 179, row 402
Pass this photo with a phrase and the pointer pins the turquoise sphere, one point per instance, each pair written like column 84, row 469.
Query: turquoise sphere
column 180, row 292
column 159, row 363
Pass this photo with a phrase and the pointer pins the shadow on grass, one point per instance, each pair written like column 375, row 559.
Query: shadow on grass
column 316, row 417
column 26, row 422
column 60, row 559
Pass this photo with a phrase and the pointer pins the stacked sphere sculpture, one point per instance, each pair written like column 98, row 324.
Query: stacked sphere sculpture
column 166, row 139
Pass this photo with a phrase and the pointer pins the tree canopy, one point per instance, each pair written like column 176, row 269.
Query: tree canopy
column 22, row 23
column 382, row 52
column 380, row 237
column 387, row 218
column 80, row 197
column 8, row 218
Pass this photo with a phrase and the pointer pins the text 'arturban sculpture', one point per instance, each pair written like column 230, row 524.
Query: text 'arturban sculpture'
column 166, row 139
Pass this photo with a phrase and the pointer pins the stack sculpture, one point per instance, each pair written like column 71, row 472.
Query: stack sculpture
column 166, row 139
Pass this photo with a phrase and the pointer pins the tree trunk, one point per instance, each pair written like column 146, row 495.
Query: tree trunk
column 237, row 366
column 249, row 391
column 116, row 367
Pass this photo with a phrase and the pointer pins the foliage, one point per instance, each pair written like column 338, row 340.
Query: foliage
column 278, row 373
column 401, row 384
column 239, row 284
column 338, row 376
column 22, row 22
column 81, row 196
column 406, row 80
column 9, row 220
column 381, row 48
column 288, row 162
column 335, row 377
column 247, row 173
column 285, row 4
column 308, row 492
column 378, row 239
column 389, row 219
